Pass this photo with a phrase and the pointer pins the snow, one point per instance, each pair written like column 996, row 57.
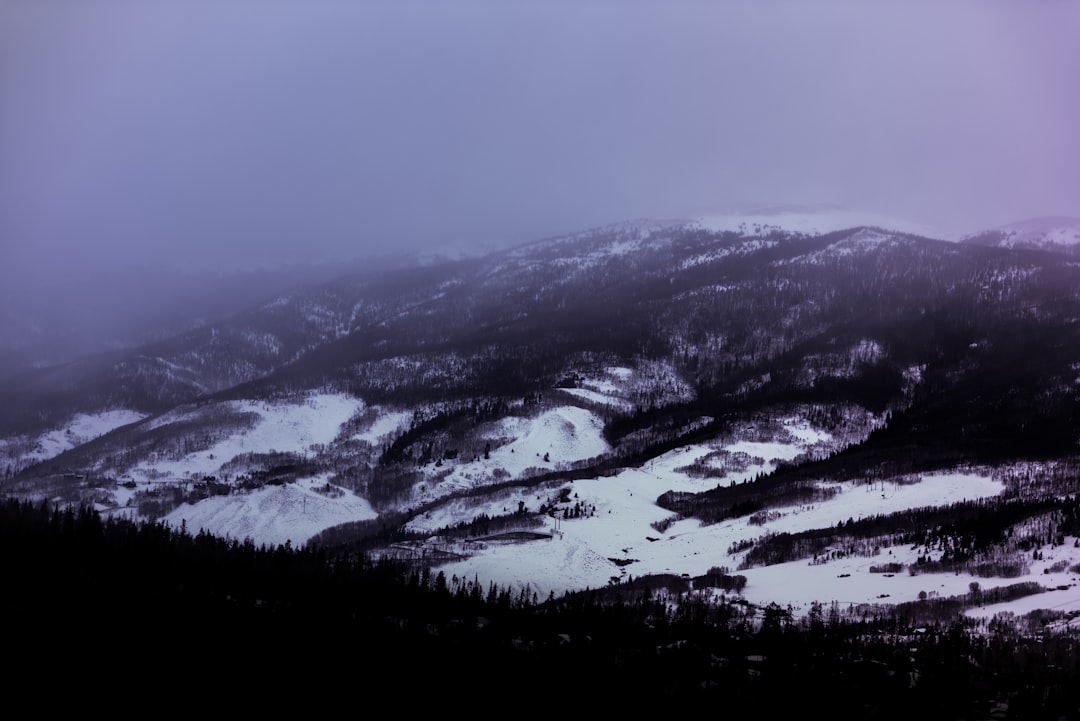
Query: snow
column 624, row 247
column 283, row 427
column 1041, row 232
column 877, row 499
column 272, row 515
column 619, row 527
column 863, row 242
column 564, row 434
column 618, row 535
column 1064, row 236
column 607, row 390
column 386, row 423
column 567, row 433
column 81, row 428
column 744, row 247
column 844, row 364
column 596, row 397
column 578, row 554
column 1062, row 594
column 811, row 221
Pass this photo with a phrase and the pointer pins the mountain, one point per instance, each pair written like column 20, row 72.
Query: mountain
column 61, row 319
column 813, row 219
column 718, row 403
column 1056, row 235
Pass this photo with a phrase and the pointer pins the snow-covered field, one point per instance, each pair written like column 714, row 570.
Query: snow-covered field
column 623, row 506
column 79, row 429
column 282, row 428
column 616, row 539
column 274, row 515
column 385, row 423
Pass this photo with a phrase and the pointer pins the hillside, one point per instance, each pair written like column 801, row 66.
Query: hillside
column 1055, row 235
column 335, row 628
column 886, row 416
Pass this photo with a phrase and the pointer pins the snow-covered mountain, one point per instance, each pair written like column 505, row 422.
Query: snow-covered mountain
column 1056, row 235
column 790, row 393
column 812, row 220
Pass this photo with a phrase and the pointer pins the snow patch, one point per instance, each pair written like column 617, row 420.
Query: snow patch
column 273, row 515
column 385, row 424
column 526, row 446
column 283, row 428
column 79, row 429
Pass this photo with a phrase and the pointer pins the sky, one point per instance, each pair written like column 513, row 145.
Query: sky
column 259, row 133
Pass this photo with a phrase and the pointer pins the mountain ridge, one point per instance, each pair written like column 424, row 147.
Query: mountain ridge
column 1057, row 234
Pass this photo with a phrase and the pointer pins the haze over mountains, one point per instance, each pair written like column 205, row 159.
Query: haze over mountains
column 649, row 398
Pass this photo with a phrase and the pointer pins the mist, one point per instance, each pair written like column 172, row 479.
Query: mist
column 248, row 134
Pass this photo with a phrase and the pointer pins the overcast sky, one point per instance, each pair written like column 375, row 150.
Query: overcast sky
column 263, row 132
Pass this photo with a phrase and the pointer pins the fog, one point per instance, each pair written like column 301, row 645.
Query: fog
column 253, row 134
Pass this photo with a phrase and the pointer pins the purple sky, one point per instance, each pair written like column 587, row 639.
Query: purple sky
column 231, row 133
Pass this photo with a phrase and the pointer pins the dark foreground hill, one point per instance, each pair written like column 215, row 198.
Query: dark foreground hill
column 99, row 611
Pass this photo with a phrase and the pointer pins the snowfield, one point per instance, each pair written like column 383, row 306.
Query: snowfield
column 81, row 428
column 617, row 539
column 565, row 434
column 525, row 446
column 274, row 515
column 386, row 423
column 599, row 397
column 282, row 428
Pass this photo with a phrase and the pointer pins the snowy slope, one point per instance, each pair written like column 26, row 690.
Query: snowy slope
column 813, row 220
column 80, row 428
column 525, row 446
column 273, row 515
column 1057, row 234
column 281, row 427
column 587, row 552
column 616, row 537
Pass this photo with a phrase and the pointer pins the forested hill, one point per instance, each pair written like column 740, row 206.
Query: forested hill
column 745, row 319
